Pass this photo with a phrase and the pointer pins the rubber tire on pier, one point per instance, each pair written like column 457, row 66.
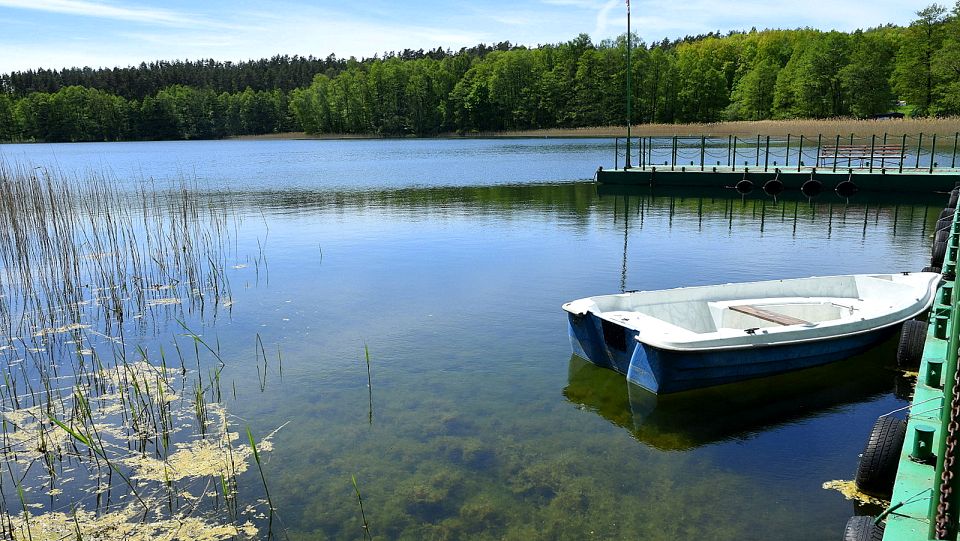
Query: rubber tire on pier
column 773, row 187
column 944, row 222
column 812, row 188
column 862, row 528
column 878, row 463
column 953, row 199
column 946, row 213
column 941, row 235
column 912, row 336
column 939, row 252
column 847, row 189
column 929, row 268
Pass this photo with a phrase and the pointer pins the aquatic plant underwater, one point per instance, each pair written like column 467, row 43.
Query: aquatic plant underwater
column 117, row 296
column 105, row 433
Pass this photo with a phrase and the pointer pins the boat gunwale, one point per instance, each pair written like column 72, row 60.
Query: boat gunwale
column 837, row 326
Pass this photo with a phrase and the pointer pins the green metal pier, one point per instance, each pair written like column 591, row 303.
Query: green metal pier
column 844, row 164
column 924, row 504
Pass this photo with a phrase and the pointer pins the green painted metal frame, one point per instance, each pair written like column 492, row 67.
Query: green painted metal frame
column 913, row 508
column 881, row 179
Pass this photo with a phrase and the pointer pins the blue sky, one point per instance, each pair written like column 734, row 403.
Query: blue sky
column 97, row 33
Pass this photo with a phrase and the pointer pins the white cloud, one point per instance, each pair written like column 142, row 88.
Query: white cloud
column 603, row 17
column 102, row 10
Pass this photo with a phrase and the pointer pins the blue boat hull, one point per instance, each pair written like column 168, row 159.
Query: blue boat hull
column 665, row 371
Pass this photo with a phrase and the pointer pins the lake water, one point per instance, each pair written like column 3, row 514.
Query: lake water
column 447, row 261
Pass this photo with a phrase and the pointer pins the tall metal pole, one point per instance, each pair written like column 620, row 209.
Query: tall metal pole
column 627, row 166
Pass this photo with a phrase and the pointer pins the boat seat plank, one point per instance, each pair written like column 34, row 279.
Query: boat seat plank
column 767, row 315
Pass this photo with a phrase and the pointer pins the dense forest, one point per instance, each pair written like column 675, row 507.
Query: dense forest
column 751, row 75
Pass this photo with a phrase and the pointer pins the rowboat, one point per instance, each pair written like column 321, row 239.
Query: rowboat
column 678, row 339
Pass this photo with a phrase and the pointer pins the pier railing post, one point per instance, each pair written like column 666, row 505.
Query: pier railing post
column 819, row 149
column 933, row 153
column 903, row 152
column 786, row 162
column 850, row 154
column 919, row 150
column 673, row 153
column 800, row 153
column 953, row 161
column 836, row 152
column 758, row 151
column 730, row 139
column 873, row 145
column 643, row 155
column 734, row 152
column 766, row 155
column 616, row 153
column 703, row 149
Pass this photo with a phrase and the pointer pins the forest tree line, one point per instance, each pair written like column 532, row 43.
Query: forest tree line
column 754, row 75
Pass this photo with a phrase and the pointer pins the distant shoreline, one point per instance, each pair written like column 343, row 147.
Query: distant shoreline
column 780, row 128
column 946, row 129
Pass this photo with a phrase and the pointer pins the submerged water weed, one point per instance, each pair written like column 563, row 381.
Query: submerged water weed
column 92, row 439
column 850, row 492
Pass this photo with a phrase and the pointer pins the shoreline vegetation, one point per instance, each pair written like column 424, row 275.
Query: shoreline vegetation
column 745, row 128
column 115, row 423
column 510, row 90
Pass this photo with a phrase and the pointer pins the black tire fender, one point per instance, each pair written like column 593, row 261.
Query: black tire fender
column 938, row 253
column 942, row 235
column 862, row 528
column 912, row 336
column 878, row 463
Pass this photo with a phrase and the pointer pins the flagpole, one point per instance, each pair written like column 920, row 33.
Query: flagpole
column 627, row 164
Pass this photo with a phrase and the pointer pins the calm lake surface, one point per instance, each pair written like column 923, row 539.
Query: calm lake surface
column 448, row 260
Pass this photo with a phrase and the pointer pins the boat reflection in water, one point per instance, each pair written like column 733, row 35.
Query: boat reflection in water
column 678, row 421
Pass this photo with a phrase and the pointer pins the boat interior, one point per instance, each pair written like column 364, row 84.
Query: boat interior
column 762, row 306
column 743, row 314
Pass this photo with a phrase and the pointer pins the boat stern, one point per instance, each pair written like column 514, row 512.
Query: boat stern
column 609, row 345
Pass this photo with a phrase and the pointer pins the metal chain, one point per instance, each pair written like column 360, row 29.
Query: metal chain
column 949, row 458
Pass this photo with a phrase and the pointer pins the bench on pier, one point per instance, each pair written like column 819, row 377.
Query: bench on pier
column 767, row 315
column 860, row 155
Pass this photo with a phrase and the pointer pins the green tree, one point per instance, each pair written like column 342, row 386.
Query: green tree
column 866, row 79
column 702, row 91
column 752, row 97
column 913, row 75
column 946, row 67
column 9, row 130
column 809, row 85
column 762, row 56
column 472, row 107
column 158, row 118
column 32, row 115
